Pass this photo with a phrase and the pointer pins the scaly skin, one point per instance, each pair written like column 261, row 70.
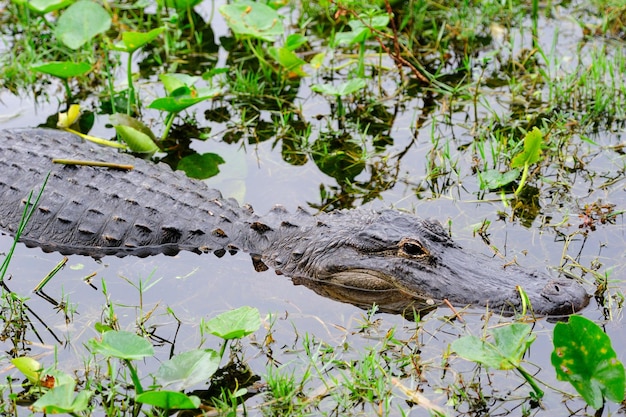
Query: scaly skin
column 149, row 210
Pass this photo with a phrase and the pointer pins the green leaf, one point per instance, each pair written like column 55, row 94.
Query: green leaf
column 288, row 60
column 188, row 369
column 235, row 324
column 294, row 41
column 62, row 69
column 46, row 6
column 81, row 22
column 257, row 20
column 29, row 367
column 532, row 149
column 122, row 345
column 169, row 400
column 134, row 133
column 172, row 82
column 61, row 400
column 183, row 98
column 135, row 40
column 583, row 355
column 343, row 89
column 200, row 166
column 362, row 29
column 506, row 351
column 493, row 179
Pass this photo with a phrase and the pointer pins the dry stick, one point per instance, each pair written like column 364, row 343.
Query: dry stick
column 94, row 164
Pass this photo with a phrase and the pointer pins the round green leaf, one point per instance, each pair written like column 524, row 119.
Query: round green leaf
column 81, row 22
column 235, row 324
column 247, row 18
column 188, row 369
column 583, row 355
column 122, row 345
column 200, row 166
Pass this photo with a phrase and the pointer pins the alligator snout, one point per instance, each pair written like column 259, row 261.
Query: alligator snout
column 562, row 296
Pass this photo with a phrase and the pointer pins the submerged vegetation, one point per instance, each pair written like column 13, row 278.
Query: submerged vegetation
column 515, row 107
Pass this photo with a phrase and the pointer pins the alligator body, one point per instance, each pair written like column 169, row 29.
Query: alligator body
column 150, row 209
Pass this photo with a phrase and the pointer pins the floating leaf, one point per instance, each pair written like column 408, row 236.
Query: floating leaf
column 81, row 22
column 188, row 369
column 235, row 324
column 62, row 69
column 247, row 18
column 509, row 344
column 583, row 355
column 122, row 345
column 493, row 179
column 343, row 89
column 169, row 400
column 200, row 166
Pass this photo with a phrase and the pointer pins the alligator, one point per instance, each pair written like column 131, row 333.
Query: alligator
column 151, row 209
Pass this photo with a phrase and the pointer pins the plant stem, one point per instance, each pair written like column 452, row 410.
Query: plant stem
column 523, row 180
column 528, row 377
column 134, row 377
column 131, row 89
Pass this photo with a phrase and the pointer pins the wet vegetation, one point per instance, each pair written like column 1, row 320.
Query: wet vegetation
column 514, row 108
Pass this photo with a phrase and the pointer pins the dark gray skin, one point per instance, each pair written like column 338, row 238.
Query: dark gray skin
column 150, row 210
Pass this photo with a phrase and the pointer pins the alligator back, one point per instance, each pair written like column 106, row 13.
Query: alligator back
column 99, row 211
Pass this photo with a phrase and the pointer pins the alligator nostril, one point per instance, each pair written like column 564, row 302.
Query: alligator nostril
column 556, row 288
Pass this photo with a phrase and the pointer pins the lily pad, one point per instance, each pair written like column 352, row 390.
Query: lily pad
column 188, row 369
column 81, row 22
column 506, row 350
column 257, row 20
column 201, row 166
column 235, row 324
column 583, row 355
column 122, row 345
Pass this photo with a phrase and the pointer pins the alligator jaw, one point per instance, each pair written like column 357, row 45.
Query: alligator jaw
column 419, row 258
column 455, row 277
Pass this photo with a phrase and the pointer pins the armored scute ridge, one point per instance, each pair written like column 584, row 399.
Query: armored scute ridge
column 151, row 209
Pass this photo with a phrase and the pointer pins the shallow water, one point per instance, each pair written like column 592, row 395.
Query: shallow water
column 197, row 287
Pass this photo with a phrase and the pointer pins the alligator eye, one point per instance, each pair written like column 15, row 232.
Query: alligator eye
column 412, row 248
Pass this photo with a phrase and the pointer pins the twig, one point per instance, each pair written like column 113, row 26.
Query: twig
column 111, row 165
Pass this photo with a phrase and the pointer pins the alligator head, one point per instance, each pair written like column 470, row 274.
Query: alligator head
column 390, row 249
